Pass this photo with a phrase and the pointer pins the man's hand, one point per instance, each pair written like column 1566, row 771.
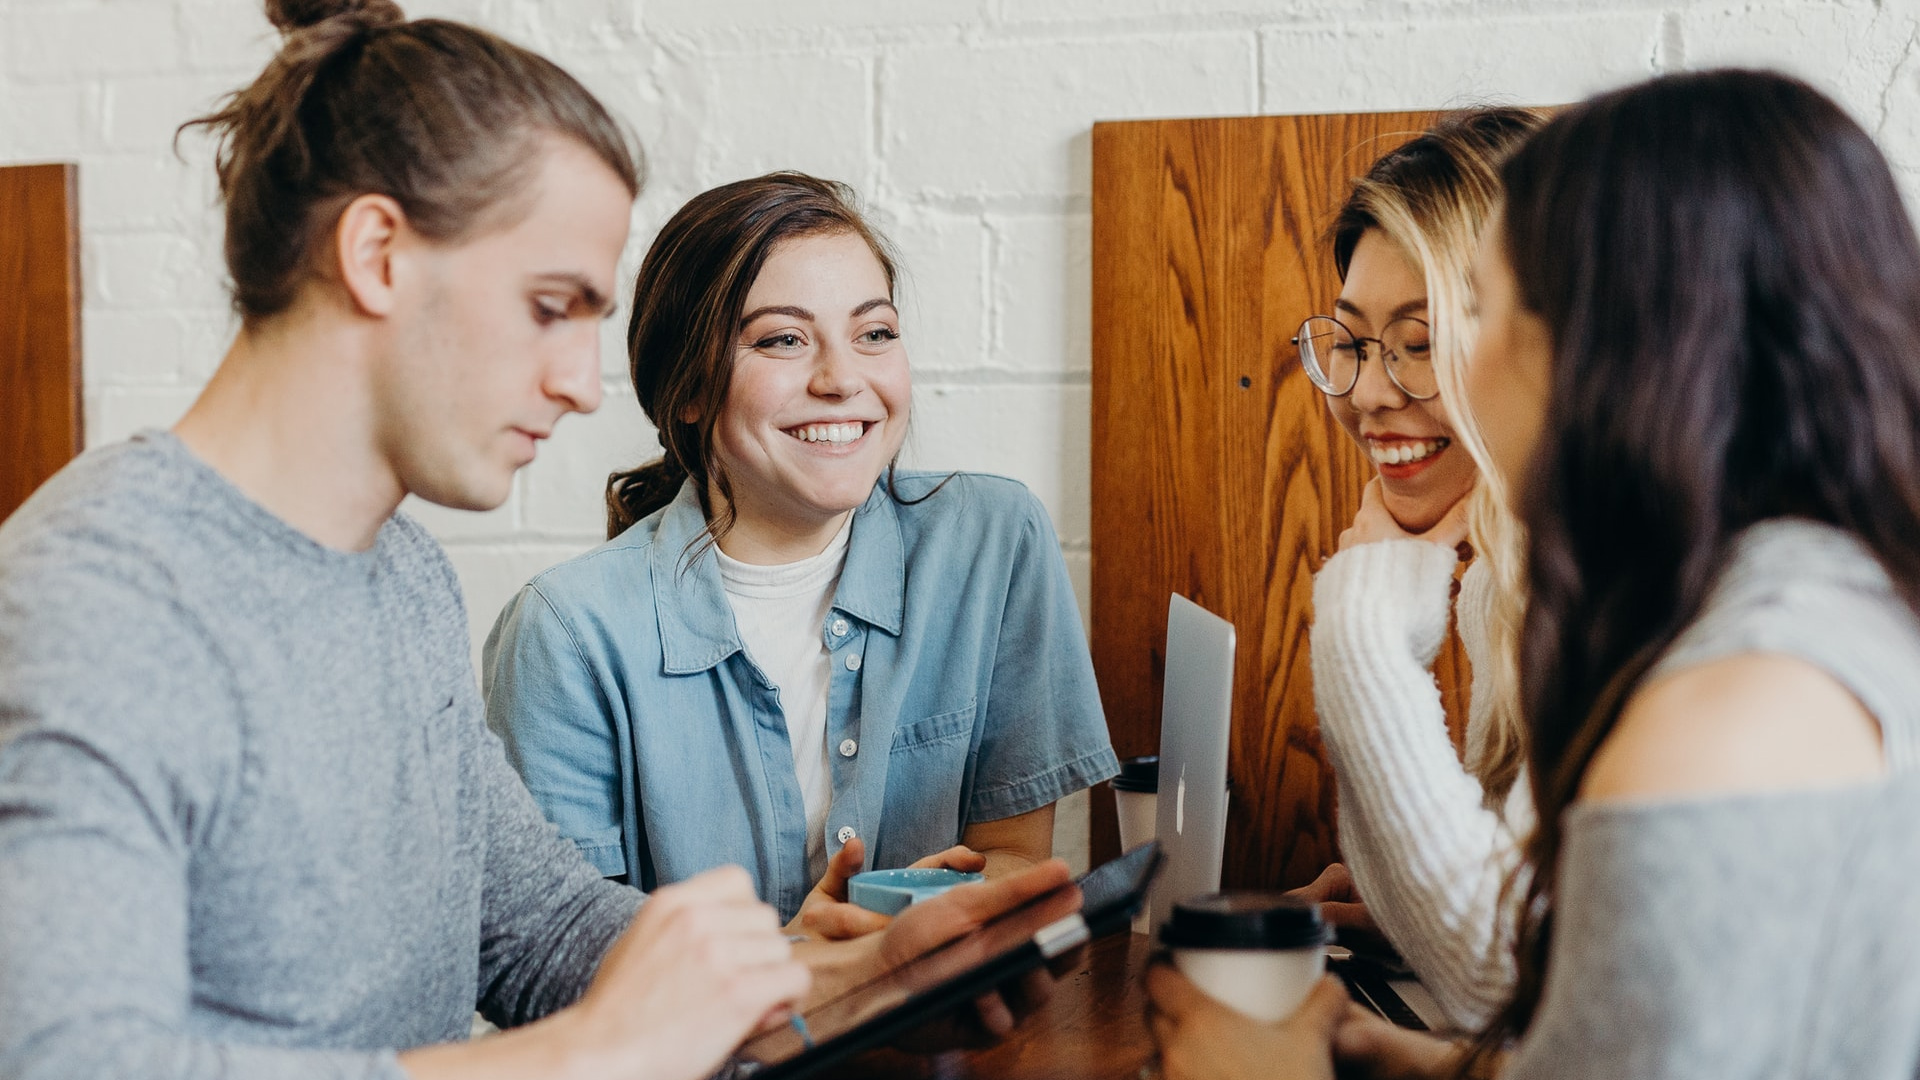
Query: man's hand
column 826, row 913
column 1339, row 901
column 1201, row 1039
column 1374, row 523
column 703, row 965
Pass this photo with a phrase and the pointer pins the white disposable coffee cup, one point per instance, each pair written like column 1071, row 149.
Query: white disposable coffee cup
column 1258, row 953
column 1135, row 799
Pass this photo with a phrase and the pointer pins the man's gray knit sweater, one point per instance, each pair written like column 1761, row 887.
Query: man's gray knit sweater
column 251, row 820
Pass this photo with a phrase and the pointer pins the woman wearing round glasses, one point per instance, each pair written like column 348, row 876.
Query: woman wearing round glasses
column 1394, row 415
column 1428, row 843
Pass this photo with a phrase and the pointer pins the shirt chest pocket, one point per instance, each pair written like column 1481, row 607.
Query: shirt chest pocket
column 941, row 728
column 928, row 762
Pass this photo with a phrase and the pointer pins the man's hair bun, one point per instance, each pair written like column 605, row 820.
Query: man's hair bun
column 292, row 15
column 442, row 117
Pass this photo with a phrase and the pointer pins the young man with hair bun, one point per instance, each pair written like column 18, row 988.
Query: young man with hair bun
column 251, row 820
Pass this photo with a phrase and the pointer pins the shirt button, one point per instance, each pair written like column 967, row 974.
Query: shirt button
column 853, row 661
column 848, row 748
column 845, row 834
column 839, row 627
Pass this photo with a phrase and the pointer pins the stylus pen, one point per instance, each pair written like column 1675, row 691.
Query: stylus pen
column 800, row 1028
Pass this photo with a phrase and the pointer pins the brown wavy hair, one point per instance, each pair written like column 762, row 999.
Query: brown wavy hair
column 687, row 303
column 1733, row 289
column 437, row 115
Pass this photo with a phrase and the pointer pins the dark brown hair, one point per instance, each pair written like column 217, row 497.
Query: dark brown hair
column 437, row 115
column 687, row 304
column 1733, row 290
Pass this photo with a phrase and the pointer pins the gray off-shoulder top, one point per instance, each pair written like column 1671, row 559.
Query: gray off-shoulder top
column 1766, row 935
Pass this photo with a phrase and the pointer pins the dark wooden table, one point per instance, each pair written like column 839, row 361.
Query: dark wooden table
column 1093, row 1028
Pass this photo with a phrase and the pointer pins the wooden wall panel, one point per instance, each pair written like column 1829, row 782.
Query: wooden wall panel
column 1217, row 471
column 40, row 425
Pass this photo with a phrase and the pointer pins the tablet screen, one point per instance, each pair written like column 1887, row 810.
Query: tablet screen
column 921, row 989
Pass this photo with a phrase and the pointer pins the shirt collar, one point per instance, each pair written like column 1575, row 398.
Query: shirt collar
column 690, row 605
column 873, row 587
column 689, row 600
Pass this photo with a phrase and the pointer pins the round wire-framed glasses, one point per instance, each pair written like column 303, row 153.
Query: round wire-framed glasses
column 1332, row 354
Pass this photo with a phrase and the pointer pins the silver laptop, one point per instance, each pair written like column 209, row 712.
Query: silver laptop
column 1196, row 716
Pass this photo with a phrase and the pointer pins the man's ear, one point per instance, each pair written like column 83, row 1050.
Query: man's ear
column 364, row 245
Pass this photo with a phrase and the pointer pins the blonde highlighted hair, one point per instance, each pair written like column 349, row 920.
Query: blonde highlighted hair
column 1432, row 197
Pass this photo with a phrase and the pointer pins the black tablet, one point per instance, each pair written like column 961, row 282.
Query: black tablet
column 930, row 986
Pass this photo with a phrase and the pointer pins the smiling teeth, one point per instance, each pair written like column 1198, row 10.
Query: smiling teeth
column 1405, row 453
column 837, row 434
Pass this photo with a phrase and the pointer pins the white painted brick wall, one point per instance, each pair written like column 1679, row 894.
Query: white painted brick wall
column 1390, row 64
column 964, row 123
column 995, row 120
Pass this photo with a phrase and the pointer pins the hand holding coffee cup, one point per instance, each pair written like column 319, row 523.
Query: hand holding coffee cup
column 1257, row 953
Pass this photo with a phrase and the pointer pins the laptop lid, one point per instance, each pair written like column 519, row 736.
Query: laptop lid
column 1196, row 714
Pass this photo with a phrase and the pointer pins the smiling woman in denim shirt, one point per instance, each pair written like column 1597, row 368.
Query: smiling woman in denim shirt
column 791, row 655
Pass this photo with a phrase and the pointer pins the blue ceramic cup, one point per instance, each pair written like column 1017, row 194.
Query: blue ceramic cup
column 889, row 892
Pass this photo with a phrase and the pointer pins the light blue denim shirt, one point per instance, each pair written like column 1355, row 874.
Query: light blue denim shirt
column 962, row 691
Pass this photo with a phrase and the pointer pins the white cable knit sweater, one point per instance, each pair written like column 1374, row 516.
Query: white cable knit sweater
column 1426, row 854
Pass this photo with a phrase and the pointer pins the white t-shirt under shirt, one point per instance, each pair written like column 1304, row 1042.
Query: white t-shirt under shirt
column 781, row 612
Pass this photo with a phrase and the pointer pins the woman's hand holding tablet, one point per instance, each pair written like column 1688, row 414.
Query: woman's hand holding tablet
column 839, row 967
column 826, row 911
column 959, row 969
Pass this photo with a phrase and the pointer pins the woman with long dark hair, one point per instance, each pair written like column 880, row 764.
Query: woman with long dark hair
column 1698, row 317
column 791, row 654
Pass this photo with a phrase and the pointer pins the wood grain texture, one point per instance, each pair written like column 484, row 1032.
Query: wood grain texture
column 1217, row 471
column 40, row 419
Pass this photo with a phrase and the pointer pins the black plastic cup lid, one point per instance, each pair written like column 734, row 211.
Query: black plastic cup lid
column 1138, row 774
column 1245, row 920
